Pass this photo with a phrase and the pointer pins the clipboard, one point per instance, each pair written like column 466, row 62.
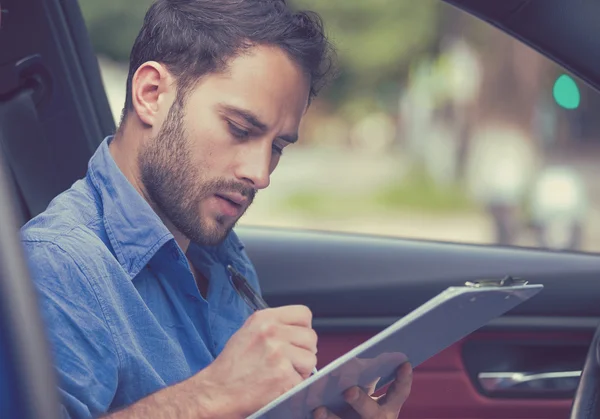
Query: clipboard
column 434, row 326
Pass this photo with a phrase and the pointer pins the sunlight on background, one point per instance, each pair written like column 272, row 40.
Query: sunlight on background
column 439, row 127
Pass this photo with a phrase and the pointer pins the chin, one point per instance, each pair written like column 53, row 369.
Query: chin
column 225, row 223
column 217, row 231
column 212, row 230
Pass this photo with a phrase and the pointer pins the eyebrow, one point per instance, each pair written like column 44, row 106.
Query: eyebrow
column 253, row 120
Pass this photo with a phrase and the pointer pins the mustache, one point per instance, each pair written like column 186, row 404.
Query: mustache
column 224, row 186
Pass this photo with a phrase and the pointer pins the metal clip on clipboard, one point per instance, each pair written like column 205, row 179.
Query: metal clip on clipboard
column 507, row 281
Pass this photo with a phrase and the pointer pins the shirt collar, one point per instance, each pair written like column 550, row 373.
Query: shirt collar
column 135, row 231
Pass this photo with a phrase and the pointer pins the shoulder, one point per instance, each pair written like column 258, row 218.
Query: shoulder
column 76, row 207
column 77, row 318
column 69, row 234
column 68, row 263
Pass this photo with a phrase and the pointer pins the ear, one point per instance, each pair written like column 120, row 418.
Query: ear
column 152, row 91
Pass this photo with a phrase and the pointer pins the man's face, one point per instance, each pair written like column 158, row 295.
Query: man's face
column 203, row 167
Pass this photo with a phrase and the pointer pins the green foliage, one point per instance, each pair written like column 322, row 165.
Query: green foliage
column 113, row 25
column 376, row 40
column 418, row 191
column 414, row 192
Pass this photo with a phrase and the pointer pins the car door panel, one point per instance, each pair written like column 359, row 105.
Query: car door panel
column 446, row 387
column 357, row 285
column 377, row 276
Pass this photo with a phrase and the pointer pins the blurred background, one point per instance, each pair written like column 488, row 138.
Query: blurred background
column 439, row 127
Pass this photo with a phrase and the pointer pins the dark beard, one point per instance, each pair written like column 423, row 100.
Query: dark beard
column 176, row 187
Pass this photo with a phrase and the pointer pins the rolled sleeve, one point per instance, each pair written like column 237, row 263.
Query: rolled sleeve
column 85, row 353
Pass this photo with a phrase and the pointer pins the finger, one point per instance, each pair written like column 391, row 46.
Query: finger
column 302, row 337
column 296, row 315
column 384, row 362
column 323, row 413
column 349, row 373
column 390, row 358
column 298, row 405
column 316, row 391
column 399, row 390
column 362, row 403
column 302, row 360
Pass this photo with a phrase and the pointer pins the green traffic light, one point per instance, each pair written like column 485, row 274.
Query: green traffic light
column 566, row 93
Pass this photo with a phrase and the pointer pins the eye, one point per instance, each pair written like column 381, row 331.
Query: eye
column 237, row 131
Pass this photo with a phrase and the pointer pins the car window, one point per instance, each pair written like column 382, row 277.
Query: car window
column 439, row 127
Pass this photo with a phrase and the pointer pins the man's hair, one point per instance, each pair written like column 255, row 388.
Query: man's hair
column 197, row 37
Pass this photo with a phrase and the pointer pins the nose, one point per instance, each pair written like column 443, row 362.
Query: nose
column 255, row 165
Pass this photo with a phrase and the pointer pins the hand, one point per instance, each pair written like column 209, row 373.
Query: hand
column 361, row 372
column 384, row 407
column 272, row 352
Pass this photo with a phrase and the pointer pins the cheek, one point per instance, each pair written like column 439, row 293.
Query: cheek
column 211, row 149
column 204, row 137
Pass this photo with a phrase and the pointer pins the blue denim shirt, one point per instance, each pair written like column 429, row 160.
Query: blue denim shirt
column 123, row 313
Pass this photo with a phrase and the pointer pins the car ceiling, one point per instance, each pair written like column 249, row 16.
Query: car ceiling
column 566, row 31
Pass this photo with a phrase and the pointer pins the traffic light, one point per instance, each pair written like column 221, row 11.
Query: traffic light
column 566, row 93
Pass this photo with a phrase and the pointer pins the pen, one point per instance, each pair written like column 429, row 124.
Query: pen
column 246, row 292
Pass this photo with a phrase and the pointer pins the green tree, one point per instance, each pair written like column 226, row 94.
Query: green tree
column 113, row 25
column 376, row 42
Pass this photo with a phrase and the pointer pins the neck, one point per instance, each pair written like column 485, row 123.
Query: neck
column 125, row 148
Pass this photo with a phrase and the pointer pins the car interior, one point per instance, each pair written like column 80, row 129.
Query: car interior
column 539, row 360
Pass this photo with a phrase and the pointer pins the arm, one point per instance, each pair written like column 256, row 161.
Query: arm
column 85, row 356
column 195, row 398
column 272, row 352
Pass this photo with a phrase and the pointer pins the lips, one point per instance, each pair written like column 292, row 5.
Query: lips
column 234, row 198
column 231, row 204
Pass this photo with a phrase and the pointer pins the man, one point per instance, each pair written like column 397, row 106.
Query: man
column 130, row 261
